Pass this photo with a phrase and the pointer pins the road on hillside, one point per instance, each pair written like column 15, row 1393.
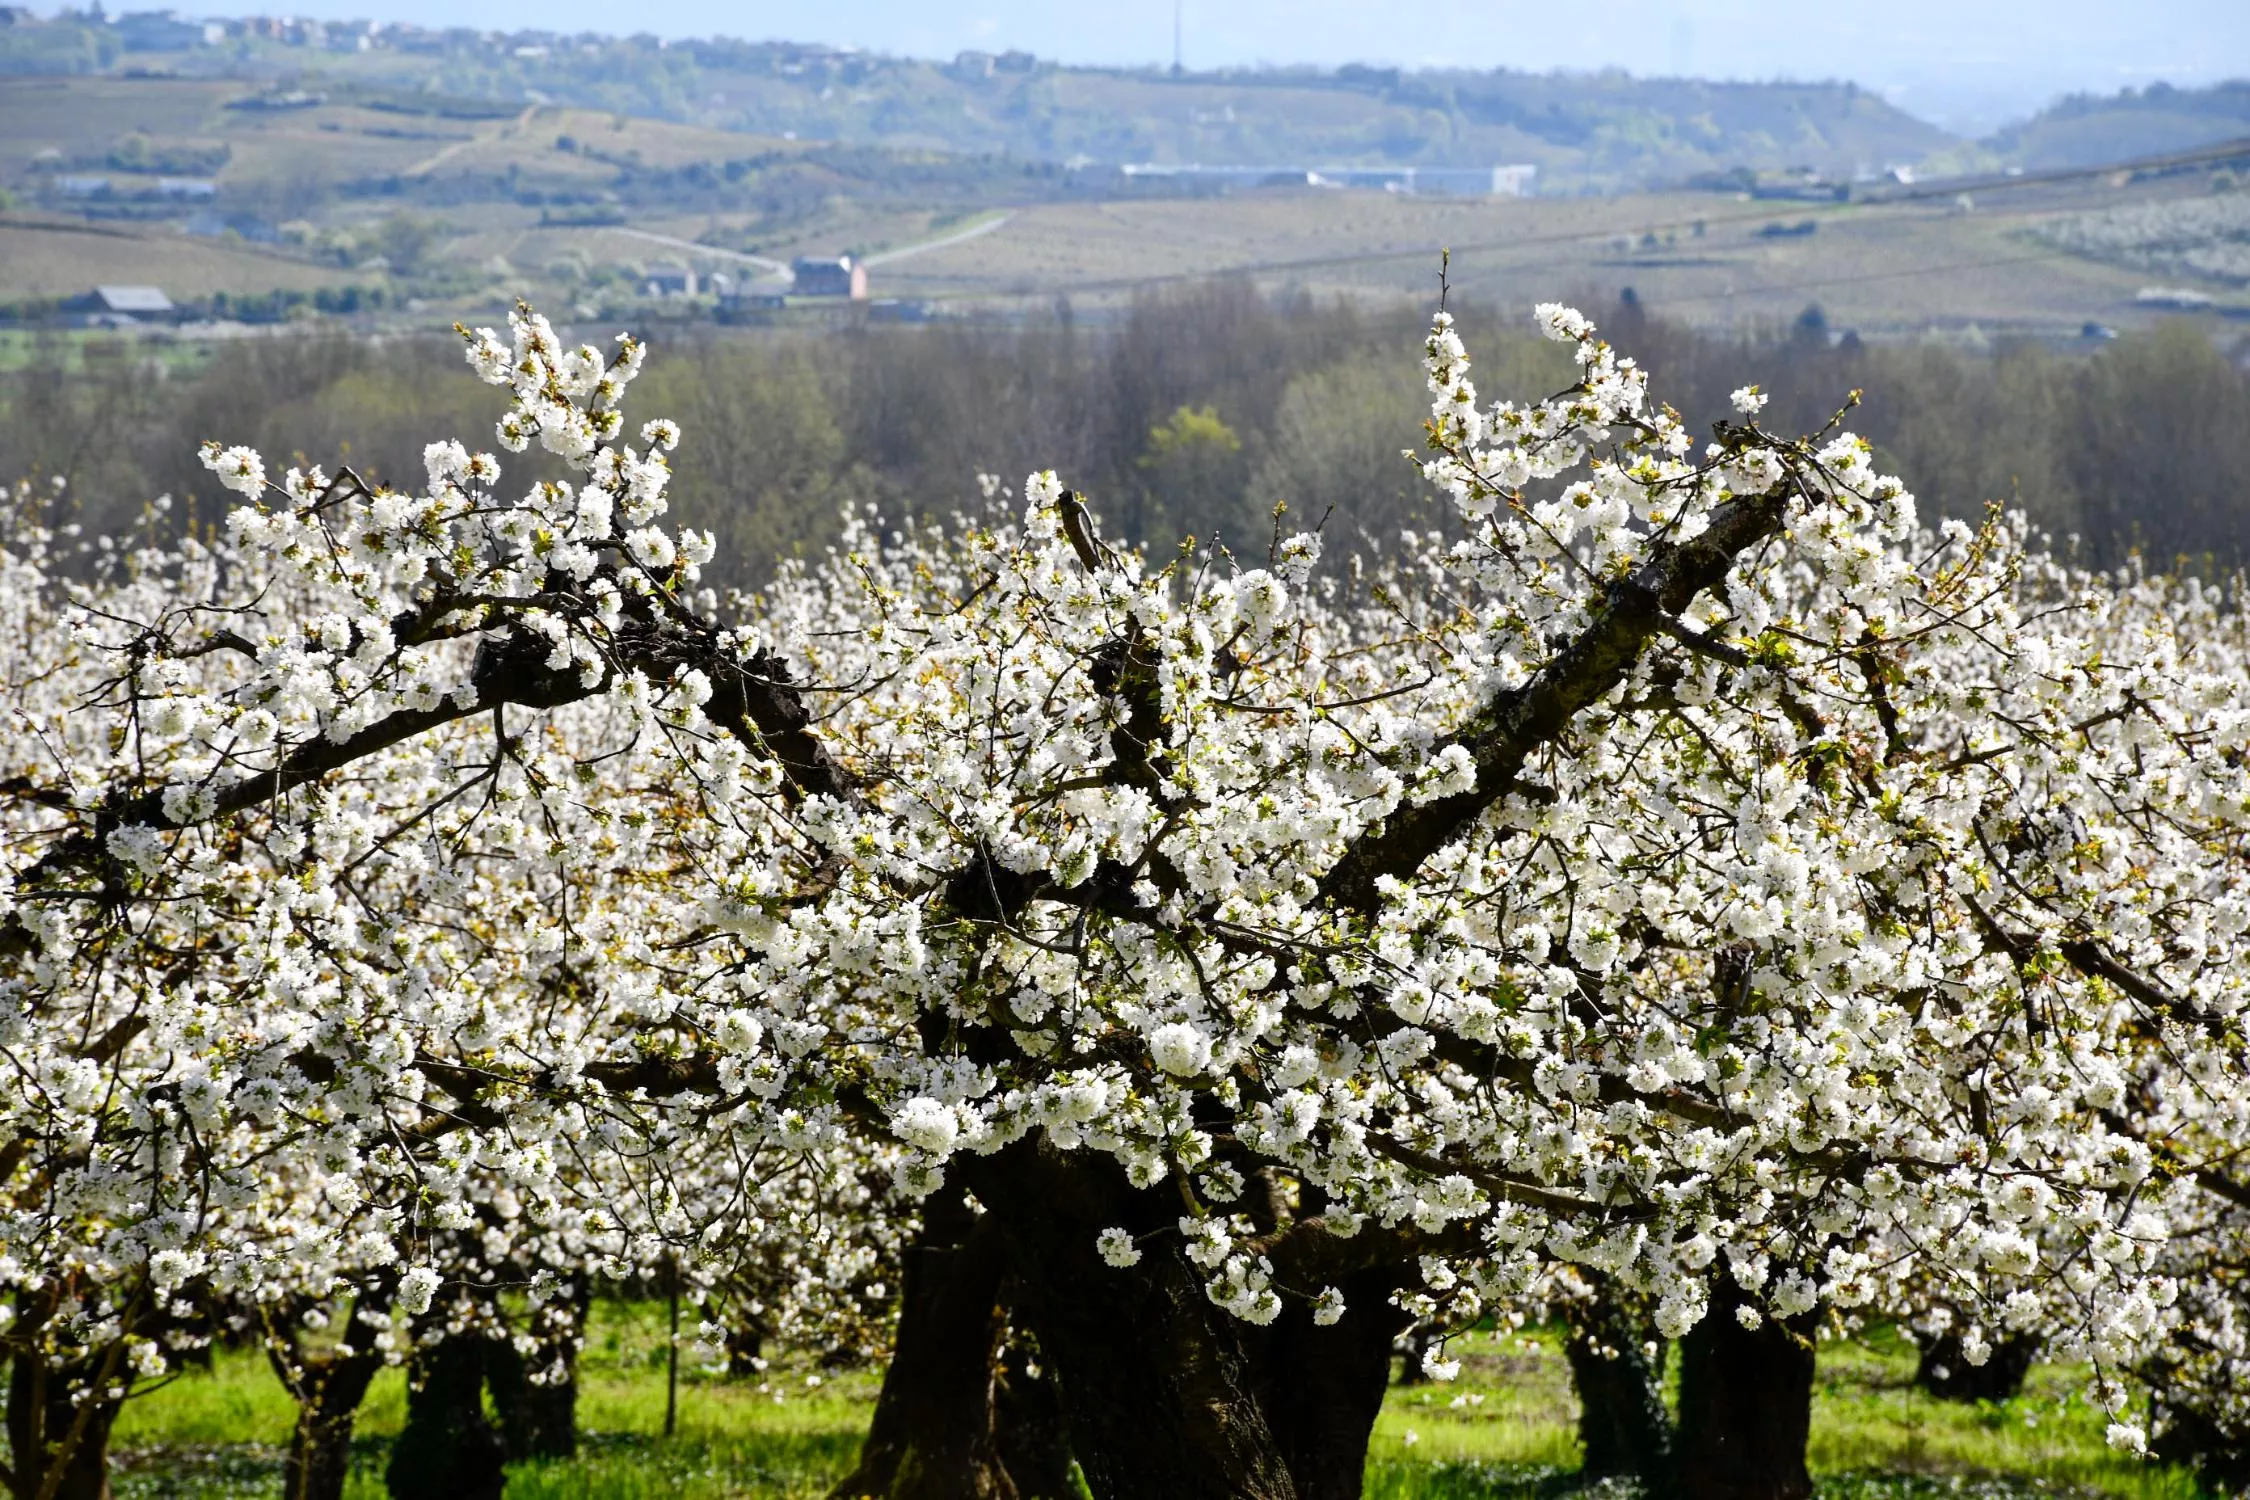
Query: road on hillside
column 676, row 243
column 429, row 164
column 891, row 257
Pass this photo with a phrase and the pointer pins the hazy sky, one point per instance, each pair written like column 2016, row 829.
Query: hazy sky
column 1974, row 60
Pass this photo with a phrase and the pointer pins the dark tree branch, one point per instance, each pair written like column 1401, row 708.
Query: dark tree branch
column 1502, row 737
column 752, row 699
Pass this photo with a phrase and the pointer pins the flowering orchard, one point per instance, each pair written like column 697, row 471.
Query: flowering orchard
column 1701, row 875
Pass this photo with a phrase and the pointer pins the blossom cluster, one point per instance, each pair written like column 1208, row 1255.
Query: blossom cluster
column 1699, row 868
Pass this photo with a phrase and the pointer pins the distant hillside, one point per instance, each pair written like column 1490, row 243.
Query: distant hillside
column 2088, row 129
column 1597, row 132
column 357, row 196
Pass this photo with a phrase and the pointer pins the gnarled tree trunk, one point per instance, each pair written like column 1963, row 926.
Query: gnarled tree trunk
column 50, row 1430
column 1623, row 1428
column 328, row 1387
column 933, row 1435
column 1322, row 1388
column 1161, row 1389
column 536, row 1397
column 1167, row 1396
column 1028, row 1424
column 447, row 1448
column 1745, row 1404
column 319, row 1461
column 1157, row 1383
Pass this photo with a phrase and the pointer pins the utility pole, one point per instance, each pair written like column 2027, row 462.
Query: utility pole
column 1177, row 67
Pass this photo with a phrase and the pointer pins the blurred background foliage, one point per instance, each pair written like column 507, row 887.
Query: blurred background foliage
column 1196, row 412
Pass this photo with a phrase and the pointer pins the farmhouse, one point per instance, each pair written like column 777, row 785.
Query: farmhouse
column 116, row 306
column 665, row 279
column 826, row 276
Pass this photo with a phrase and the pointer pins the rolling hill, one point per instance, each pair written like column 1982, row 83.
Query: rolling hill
column 1585, row 132
column 426, row 175
column 2089, row 129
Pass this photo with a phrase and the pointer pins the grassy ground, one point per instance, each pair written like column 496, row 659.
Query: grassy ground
column 89, row 351
column 1504, row 1429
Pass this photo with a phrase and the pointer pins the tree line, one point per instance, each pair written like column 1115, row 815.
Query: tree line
column 1194, row 412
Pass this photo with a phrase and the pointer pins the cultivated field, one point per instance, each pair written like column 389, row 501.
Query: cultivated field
column 1882, row 268
column 47, row 257
column 570, row 206
column 338, row 141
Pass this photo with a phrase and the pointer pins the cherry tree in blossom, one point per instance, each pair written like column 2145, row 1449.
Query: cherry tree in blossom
column 1702, row 875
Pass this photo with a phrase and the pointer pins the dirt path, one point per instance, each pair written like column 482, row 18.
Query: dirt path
column 974, row 231
column 702, row 249
column 443, row 154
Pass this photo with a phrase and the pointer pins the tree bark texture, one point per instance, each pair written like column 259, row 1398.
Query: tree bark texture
column 539, row 1417
column 933, row 1435
column 1161, row 1393
column 1166, row 1396
column 1322, row 1388
column 1028, row 1424
column 44, row 1421
column 329, row 1389
column 1623, row 1428
column 448, row 1448
column 1745, row 1405
column 328, row 1386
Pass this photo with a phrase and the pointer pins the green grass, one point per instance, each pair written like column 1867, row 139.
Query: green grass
column 87, row 351
column 219, row 1435
column 1867, row 1416
column 1504, row 1429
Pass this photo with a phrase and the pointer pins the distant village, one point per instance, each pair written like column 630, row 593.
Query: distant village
column 836, row 283
column 168, row 32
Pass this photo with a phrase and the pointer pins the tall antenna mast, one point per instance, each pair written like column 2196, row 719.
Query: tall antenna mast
column 1176, row 65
